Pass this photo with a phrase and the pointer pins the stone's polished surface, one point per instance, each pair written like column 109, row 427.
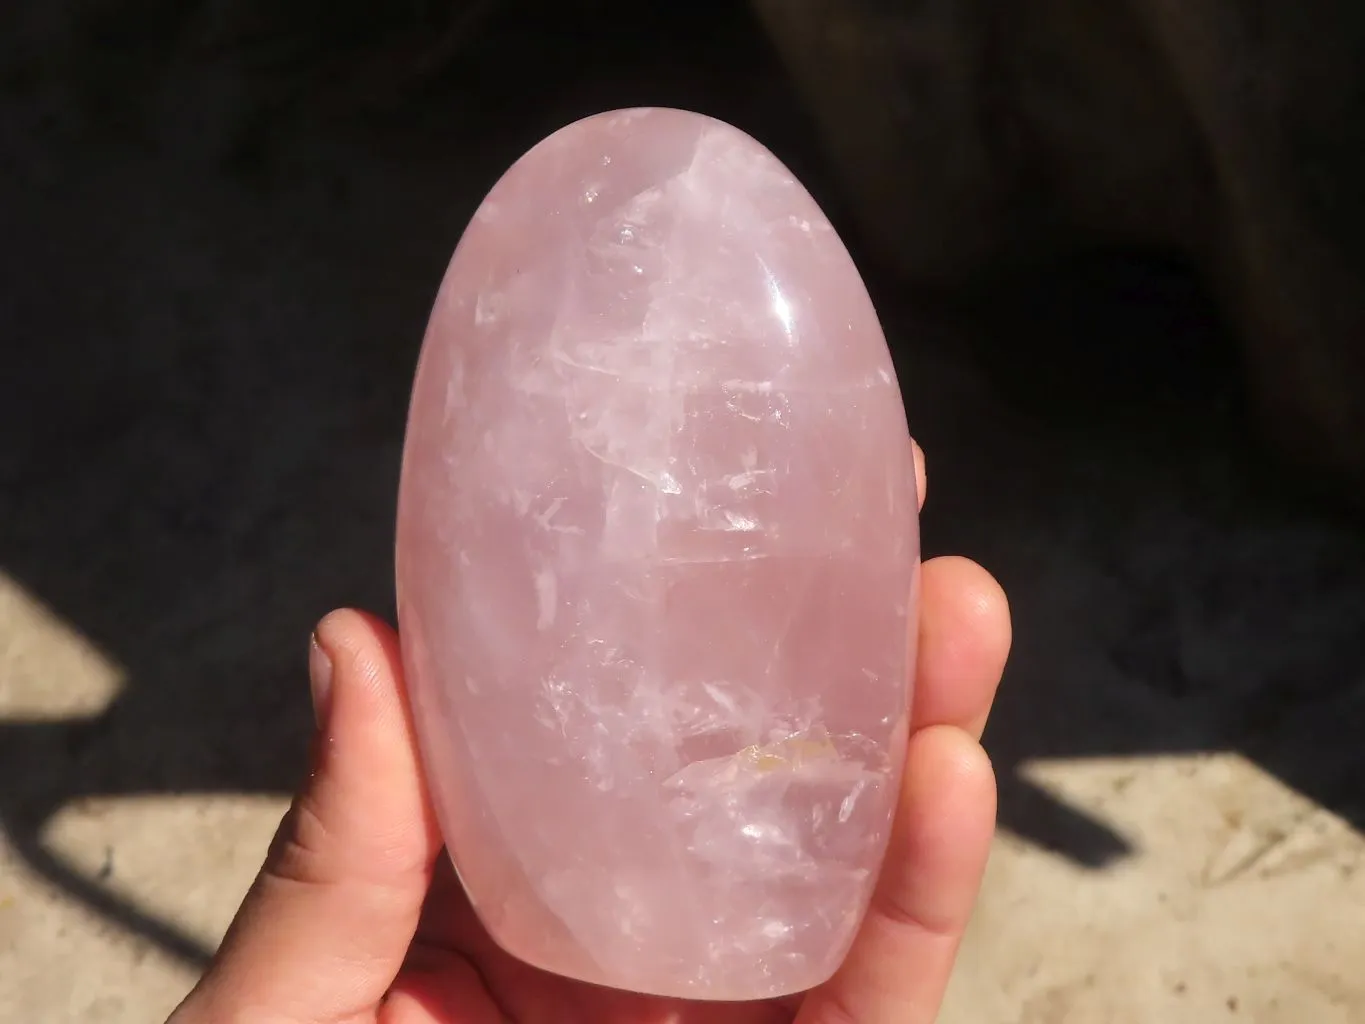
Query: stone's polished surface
column 657, row 550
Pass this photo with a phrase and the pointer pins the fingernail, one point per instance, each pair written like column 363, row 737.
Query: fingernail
column 320, row 680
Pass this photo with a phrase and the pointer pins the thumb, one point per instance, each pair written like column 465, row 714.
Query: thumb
column 325, row 928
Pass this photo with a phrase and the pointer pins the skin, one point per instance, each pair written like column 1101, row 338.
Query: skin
column 357, row 917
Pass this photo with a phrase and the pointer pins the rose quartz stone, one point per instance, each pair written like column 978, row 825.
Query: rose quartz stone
column 657, row 552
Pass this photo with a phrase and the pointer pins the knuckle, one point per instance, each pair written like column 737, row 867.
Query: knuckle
column 298, row 853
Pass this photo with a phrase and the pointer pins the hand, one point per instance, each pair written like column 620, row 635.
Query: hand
column 357, row 916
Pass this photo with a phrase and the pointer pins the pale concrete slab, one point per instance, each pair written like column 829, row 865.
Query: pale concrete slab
column 1246, row 902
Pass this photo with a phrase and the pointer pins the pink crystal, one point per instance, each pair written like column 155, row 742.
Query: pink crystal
column 657, row 546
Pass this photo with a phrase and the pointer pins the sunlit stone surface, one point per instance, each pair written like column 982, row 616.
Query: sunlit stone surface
column 656, row 556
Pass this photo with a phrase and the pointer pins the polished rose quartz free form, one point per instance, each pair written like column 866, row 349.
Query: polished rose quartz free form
column 657, row 549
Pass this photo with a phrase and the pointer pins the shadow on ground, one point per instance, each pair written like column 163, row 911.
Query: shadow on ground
column 210, row 324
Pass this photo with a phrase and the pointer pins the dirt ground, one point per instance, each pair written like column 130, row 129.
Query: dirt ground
column 210, row 322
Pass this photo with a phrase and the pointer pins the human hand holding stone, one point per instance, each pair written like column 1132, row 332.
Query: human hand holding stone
column 357, row 916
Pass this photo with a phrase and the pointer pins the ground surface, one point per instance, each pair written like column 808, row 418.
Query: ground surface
column 209, row 324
